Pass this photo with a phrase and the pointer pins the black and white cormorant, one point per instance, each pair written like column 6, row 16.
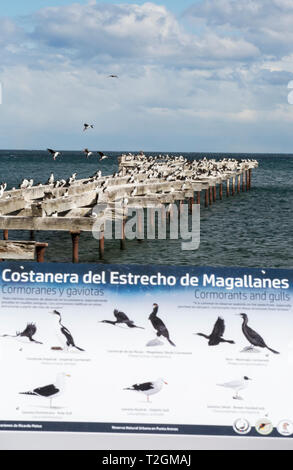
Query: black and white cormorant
column 63, row 334
column 27, row 333
column 254, row 338
column 54, row 153
column 216, row 337
column 159, row 325
column 148, row 388
column 103, row 156
column 87, row 127
column 49, row 391
column 121, row 318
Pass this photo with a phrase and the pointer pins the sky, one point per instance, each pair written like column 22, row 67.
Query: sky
column 198, row 76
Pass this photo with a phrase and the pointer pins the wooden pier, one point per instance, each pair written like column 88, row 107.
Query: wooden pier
column 141, row 182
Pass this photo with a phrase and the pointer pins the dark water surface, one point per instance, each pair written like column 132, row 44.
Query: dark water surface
column 251, row 229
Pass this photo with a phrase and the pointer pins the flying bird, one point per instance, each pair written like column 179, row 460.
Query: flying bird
column 87, row 127
column 49, row 391
column 252, row 337
column 216, row 337
column 121, row 318
column 103, row 156
column 63, row 334
column 113, row 76
column 159, row 325
column 148, row 388
column 27, row 333
column 54, row 153
column 88, row 153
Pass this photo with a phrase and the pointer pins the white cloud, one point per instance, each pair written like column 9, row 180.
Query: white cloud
column 190, row 89
column 265, row 23
column 131, row 32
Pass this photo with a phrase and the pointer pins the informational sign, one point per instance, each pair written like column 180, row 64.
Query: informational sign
column 145, row 349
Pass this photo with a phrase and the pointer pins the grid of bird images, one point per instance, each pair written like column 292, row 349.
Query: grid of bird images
column 142, row 349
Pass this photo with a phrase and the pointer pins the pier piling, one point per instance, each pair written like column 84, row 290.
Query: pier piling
column 75, row 246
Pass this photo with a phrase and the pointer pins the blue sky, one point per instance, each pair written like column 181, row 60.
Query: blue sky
column 205, row 75
column 25, row 7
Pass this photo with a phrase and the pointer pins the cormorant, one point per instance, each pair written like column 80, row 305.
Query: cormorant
column 64, row 335
column 216, row 337
column 254, row 338
column 122, row 318
column 159, row 325
column 54, row 153
column 28, row 332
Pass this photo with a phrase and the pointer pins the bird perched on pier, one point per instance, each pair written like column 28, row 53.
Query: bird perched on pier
column 86, row 127
column 51, row 179
column 63, row 334
column 88, row 153
column 103, row 156
column 216, row 337
column 54, row 153
column 3, row 187
column 159, row 325
column 97, row 175
column 237, row 385
column 51, row 391
column 71, row 179
column 120, row 319
column 24, row 184
column 254, row 338
column 148, row 388
column 26, row 334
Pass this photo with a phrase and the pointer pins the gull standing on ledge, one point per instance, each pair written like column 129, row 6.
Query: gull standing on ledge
column 237, row 385
column 148, row 388
column 49, row 391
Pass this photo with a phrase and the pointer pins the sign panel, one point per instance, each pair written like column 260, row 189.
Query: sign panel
column 144, row 349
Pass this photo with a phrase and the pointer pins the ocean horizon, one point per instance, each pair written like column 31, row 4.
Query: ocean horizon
column 251, row 229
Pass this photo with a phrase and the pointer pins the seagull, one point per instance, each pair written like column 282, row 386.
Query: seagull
column 122, row 318
column 87, row 126
column 64, row 335
column 49, row 391
column 103, row 156
column 254, row 338
column 54, row 153
column 88, row 153
column 237, row 385
column 216, row 337
column 28, row 333
column 148, row 388
column 159, row 325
